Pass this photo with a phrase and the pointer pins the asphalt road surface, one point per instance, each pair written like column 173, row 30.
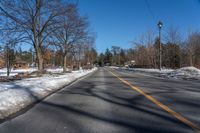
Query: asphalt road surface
column 104, row 103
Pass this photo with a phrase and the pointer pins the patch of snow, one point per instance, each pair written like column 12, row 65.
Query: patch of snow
column 114, row 67
column 3, row 71
column 152, row 70
column 18, row 94
column 182, row 73
column 185, row 73
column 56, row 70
column 145, row 70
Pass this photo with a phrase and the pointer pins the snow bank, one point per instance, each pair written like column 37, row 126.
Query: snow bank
column 185, row 73
column 114, row 67
column 182, row 73
column 3, row 72
column 144, row 70
column 17, row 95
column 151, row 70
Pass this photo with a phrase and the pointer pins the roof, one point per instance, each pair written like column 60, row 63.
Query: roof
column 21, row 62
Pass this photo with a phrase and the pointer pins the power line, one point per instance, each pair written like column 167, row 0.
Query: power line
column 150, row 11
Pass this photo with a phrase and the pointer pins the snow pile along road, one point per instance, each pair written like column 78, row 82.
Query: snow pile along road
column 163, row 71
column 15, row 96
column 151, row 70
column 3, row 72
column 185, row 73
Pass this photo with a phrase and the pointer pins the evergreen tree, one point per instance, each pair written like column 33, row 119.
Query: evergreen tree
column 108, row 57
column 101, row 59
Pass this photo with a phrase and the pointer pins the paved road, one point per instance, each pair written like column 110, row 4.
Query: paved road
column 101, row 103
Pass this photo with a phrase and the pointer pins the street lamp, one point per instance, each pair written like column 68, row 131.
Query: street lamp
column 160, row 24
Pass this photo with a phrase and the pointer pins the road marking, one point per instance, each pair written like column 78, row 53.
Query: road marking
column 161, row 105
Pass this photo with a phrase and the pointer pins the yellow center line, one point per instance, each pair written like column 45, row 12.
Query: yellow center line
column 161, row 105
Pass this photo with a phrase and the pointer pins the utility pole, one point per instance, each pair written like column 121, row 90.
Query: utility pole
column 160, row 24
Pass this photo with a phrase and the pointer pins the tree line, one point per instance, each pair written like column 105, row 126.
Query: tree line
column 176, row 52
column 55, row 30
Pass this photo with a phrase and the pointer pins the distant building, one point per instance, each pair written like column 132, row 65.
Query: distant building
column 2, row 63
column 19, row 64
column 130, row 63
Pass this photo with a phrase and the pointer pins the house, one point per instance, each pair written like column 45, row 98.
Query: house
column 130, row 63
column 2, row 63
column 19, row 64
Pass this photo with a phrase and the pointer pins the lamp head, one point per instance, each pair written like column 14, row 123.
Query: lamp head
column 160, row 24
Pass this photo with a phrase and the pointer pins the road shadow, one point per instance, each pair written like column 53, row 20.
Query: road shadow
column 117, row 98
column 113, row 93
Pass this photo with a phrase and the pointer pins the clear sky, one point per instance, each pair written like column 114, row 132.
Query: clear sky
column 117, row 22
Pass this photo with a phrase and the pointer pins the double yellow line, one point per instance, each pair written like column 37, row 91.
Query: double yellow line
column 161, row 105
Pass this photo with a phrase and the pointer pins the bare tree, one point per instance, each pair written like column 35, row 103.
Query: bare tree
column 79, row 50
column 72, row 31
column 152, row 52
column 31, row 22
column 192, row 46
column 173, row 35
column 89, row 52
column 172, row 50
column 145, row 53
column 116, row 55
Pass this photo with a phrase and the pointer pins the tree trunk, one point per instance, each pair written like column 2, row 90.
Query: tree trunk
column 64, row 63
column 191, row 60
column 40, row 61
column 79, row 65
column 79, row 61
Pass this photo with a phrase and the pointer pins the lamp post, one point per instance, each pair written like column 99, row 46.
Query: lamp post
column 160, row 24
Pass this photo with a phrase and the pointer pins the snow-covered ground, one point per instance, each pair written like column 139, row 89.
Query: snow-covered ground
column 144, row 70
column 3, row 72
column 185, row 73
column 18, row 94
column 151, row 70
column 182, row 73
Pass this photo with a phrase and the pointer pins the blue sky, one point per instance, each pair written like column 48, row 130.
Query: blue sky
column 117, row 22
